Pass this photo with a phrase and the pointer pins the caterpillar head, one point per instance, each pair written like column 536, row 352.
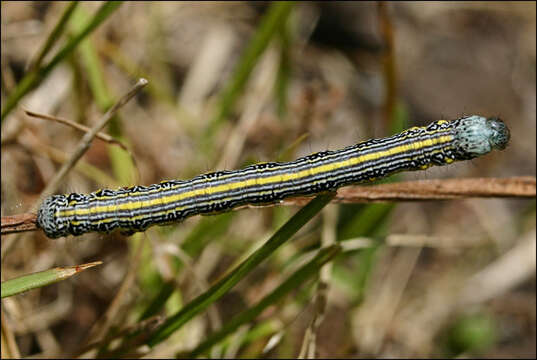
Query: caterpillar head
column 477, row 135
column 48, row 219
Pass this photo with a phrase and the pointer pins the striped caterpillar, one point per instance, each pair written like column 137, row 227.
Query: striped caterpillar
column 136, row 208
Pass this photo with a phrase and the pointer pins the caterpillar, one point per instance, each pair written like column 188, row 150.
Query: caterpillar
column 136, row 208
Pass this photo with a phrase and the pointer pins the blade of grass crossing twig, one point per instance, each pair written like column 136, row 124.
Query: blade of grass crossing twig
column 293, row 282
column 34, row 78
column 225, row 284
column 42, row 278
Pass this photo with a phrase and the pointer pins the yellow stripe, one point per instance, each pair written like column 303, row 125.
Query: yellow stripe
column 120, row 196
column 327, row 168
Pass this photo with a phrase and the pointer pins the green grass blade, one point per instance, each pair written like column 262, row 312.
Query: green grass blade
column 271, row 23
column 34, row 78
column 208, row 228
column 42, row 278
column 367, row 221
column 284, row 70
column 91, row 64
column 54, row 36
column 101, row 15
column 225, row 284
column 122, row 164
column 158, row 302
column 293, row 282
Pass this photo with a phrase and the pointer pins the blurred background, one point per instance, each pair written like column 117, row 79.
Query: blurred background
column 234, row 83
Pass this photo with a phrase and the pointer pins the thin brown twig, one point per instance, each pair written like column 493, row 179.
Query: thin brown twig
column 105, row 137
column 28, row 140
column 86, row 140
column 431, row 190
column 19, row 223
column 421, row 190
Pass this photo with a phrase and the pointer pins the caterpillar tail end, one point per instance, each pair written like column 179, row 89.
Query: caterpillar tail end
column 47, row 220
column 477, row 135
